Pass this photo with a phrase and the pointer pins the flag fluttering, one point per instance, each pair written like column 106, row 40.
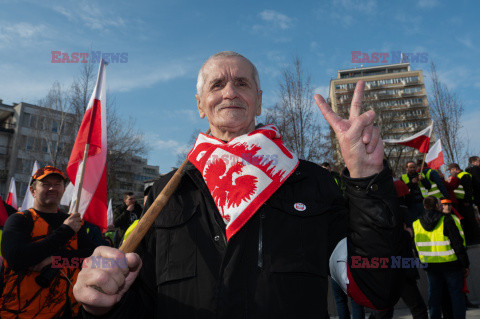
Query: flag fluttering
column 28, row 199
column 420, row 141
column 67, row 195
column 110, row 214
column 3, row 213
column 92, row 203
column 12, row 194
column 434, row 156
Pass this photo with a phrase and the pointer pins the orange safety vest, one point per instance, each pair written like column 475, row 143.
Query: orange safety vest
column 23, row 298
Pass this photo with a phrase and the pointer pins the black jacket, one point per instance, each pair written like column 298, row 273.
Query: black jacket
column 429, row 221
column 415, row 195
column 123, row 218
column 467, row 183
column 276, row 266
column 475, row 171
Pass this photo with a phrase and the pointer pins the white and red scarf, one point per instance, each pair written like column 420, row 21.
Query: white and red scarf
column 243, row 173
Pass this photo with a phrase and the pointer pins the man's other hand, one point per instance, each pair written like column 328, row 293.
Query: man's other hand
column 360, row 142
column 99, row 288
column 74, row 221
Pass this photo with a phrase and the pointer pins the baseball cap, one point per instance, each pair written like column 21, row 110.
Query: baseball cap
column 446, row 201
column 43, row 172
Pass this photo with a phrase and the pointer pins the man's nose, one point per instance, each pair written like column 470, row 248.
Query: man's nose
column 230, row 91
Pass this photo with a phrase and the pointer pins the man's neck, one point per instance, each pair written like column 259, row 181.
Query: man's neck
column 45, row 209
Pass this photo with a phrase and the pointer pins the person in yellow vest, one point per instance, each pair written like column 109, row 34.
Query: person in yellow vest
column 440, row 244
column 418, row 186
column 42, row 249
column 437, row 188
column 464, row 194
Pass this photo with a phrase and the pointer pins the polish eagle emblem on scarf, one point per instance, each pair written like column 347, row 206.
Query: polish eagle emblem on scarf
column 242, row 174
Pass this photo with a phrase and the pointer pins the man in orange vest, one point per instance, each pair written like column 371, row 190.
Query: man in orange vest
column 43, row 250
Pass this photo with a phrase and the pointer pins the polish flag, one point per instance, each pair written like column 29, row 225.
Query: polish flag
column 12, row 194
column 92, row 131
column 3, row 213
column 420, row 141
column 110, row 213
column 434, row 156
column 28, row 199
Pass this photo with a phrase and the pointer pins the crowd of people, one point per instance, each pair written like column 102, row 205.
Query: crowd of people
column 441, row 220
column 249, row 239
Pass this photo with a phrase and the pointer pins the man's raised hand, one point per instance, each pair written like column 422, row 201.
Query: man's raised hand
column 360, row 142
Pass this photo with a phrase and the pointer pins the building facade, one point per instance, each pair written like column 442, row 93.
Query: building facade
column 30, row 133
column 396, row 94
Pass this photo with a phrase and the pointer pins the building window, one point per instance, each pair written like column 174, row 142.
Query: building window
column 54, row 126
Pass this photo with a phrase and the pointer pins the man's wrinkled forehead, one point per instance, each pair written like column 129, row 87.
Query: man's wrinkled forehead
column 222, row 69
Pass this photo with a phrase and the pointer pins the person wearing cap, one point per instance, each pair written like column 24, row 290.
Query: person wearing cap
column 440, row 244
column 464, row 193
column 124, row 215
column 43, row 247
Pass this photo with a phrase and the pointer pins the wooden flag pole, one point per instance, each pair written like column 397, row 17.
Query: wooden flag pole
column 82, row 175
column 133, row 240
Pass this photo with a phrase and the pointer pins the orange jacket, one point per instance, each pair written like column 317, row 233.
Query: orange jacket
column 23, row 298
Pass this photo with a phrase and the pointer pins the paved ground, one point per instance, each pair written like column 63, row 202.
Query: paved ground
column 404, row 313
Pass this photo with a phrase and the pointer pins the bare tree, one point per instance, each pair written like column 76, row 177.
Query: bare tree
column 297, row 118
column 55, row 133
column 191, row 140
column 446, row 110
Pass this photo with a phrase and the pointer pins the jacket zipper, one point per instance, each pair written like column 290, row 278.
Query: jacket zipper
column 260, row 241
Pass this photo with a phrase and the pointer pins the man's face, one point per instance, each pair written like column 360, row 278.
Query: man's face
column 476, row 162
column 447, row 208
column 229, row 98
column 411, row 168
column 130, row 200
column 49, row 191
column 454, row 171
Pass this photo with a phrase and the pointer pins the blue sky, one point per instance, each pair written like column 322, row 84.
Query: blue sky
column 167, row 42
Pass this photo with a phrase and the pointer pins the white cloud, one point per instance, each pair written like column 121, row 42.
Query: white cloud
column 427, row 3
column 368, row 7
column 466, row 40
column 276, row 18
column 173, row 146
column 323, row 90
column 91, row 15
column 21, row 32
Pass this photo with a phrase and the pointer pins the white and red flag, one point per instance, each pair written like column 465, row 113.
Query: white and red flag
column 434, row 156
column 93, row 131
column 3, row 213
column 420, row 141
column 12, row 194
column 243, row 173
column 28, row 199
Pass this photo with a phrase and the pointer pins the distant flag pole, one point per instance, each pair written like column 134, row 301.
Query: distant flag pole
column 87, row 165
column 12, row 194
column 110, row 213
column 425, row 154
column 28, row 199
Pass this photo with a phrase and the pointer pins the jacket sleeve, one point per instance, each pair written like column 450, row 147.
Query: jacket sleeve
column 437, row 180
column 467, row 184
column 375, row 234
column 18, row 249
column 139, row 301
column 121, row 217
column 451, row 231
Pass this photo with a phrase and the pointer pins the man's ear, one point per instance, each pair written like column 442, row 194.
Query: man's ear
column 259, row 108
column 200, row 107
column 32, row 191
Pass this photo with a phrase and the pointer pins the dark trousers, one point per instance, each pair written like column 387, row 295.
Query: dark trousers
column 454, row 282
column 469, row 223
column 341, row 301
column 412, row 298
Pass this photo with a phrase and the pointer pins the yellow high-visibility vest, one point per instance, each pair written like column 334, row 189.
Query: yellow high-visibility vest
column 460, row 191
column 424, row 191
column 433, row 246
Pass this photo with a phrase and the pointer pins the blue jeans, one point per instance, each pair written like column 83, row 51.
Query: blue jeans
column 341, row 300
column 454, row 281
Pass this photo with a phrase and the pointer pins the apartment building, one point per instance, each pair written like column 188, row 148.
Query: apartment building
column 397, row 95
column 30, row 132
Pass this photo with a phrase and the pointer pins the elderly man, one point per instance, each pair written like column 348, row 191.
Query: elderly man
column 43, row 248
column 252, row 232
